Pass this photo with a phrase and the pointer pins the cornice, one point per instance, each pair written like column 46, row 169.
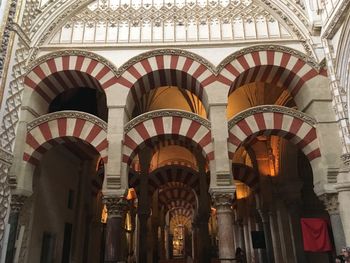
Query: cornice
column 334, row 21
column 67, row 114
column 271, row 108
column 166, row 113
column 72, row 52
column 306, row 58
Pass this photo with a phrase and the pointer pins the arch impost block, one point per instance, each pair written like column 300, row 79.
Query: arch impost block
column 271, row 108
column 67, row 114
column 166, row 113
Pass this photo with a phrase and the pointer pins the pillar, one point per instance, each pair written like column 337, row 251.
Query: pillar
column 276, row 241
column 330, row 201
column 295, row 227
column 16, row 204
column 143, row 209
column 267, row 233
column 343, row 189
column 222, row 203
column 116, row 208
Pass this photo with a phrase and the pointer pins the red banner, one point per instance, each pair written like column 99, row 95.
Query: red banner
column 315, row 235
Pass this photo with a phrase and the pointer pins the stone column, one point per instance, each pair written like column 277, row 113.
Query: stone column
column 295, row 227
column 16, row 204
column 276, row 241
column 267, row 233
column 330, row 202
column 116, row 208
column 343, row 189
column 143, row 209
column 222, row 203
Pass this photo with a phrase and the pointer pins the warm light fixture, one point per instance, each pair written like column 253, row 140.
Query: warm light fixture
column 242, row 190
column 131, row 194
column 104, row 215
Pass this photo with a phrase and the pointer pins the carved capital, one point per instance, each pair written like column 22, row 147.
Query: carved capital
column 17, row 202
column 330, row 202
column 222, row 200
column 116, row 206
column 345, row 159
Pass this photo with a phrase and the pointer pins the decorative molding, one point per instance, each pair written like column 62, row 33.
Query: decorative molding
column 306, row 58
column 17, row 202
column 334, row 21
column 67, row 114
column 20, row 32
column 330, row 201
column 345, row 158
column 116, row 206
column 271, row 108
column 169, row 52
column 6, row 36
column 5, row 156
column 166, row 113
column 72, row 52
column 222, row 200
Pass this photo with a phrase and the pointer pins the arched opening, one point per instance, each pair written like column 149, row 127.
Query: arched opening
column 66, row 206
column 169, row 97
column 68, row 83
column 82, row 99
column 167, row 89
column 170, row 172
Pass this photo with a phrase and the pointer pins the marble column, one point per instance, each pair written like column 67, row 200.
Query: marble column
column 267, row 233
column 343, row 189
column 222, row 203
column 276, row 241
column 116, row 208
column 295, row 227
column 16, row 204
column 331, row 204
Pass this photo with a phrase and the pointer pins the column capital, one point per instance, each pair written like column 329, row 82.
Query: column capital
column 222, row 199
column 17, row 202
column 345, row 159
column 330, row 201
column 116, row 206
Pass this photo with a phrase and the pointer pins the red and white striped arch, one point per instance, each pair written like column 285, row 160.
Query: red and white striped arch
column 166, row 70
column 280, row 68
column 172, row 197
column 62, row 130
column 55, row 75
column 277, row 122
column 245, row 174
column 167, row 174
column 171, row 126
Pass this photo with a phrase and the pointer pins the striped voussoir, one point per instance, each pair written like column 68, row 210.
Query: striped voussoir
column 269, row 66
column 292, row 128
column 245, row 174
column 166, row 70
column 177, row 212
column 62, row 130
column 174, row 173
column 56, row 75
column 164, row 128
column 172, row 197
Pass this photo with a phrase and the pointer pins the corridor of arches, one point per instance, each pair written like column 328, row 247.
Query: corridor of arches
column 188, row 168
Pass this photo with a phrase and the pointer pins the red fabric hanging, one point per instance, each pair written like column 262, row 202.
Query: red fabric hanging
column 315, row 235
